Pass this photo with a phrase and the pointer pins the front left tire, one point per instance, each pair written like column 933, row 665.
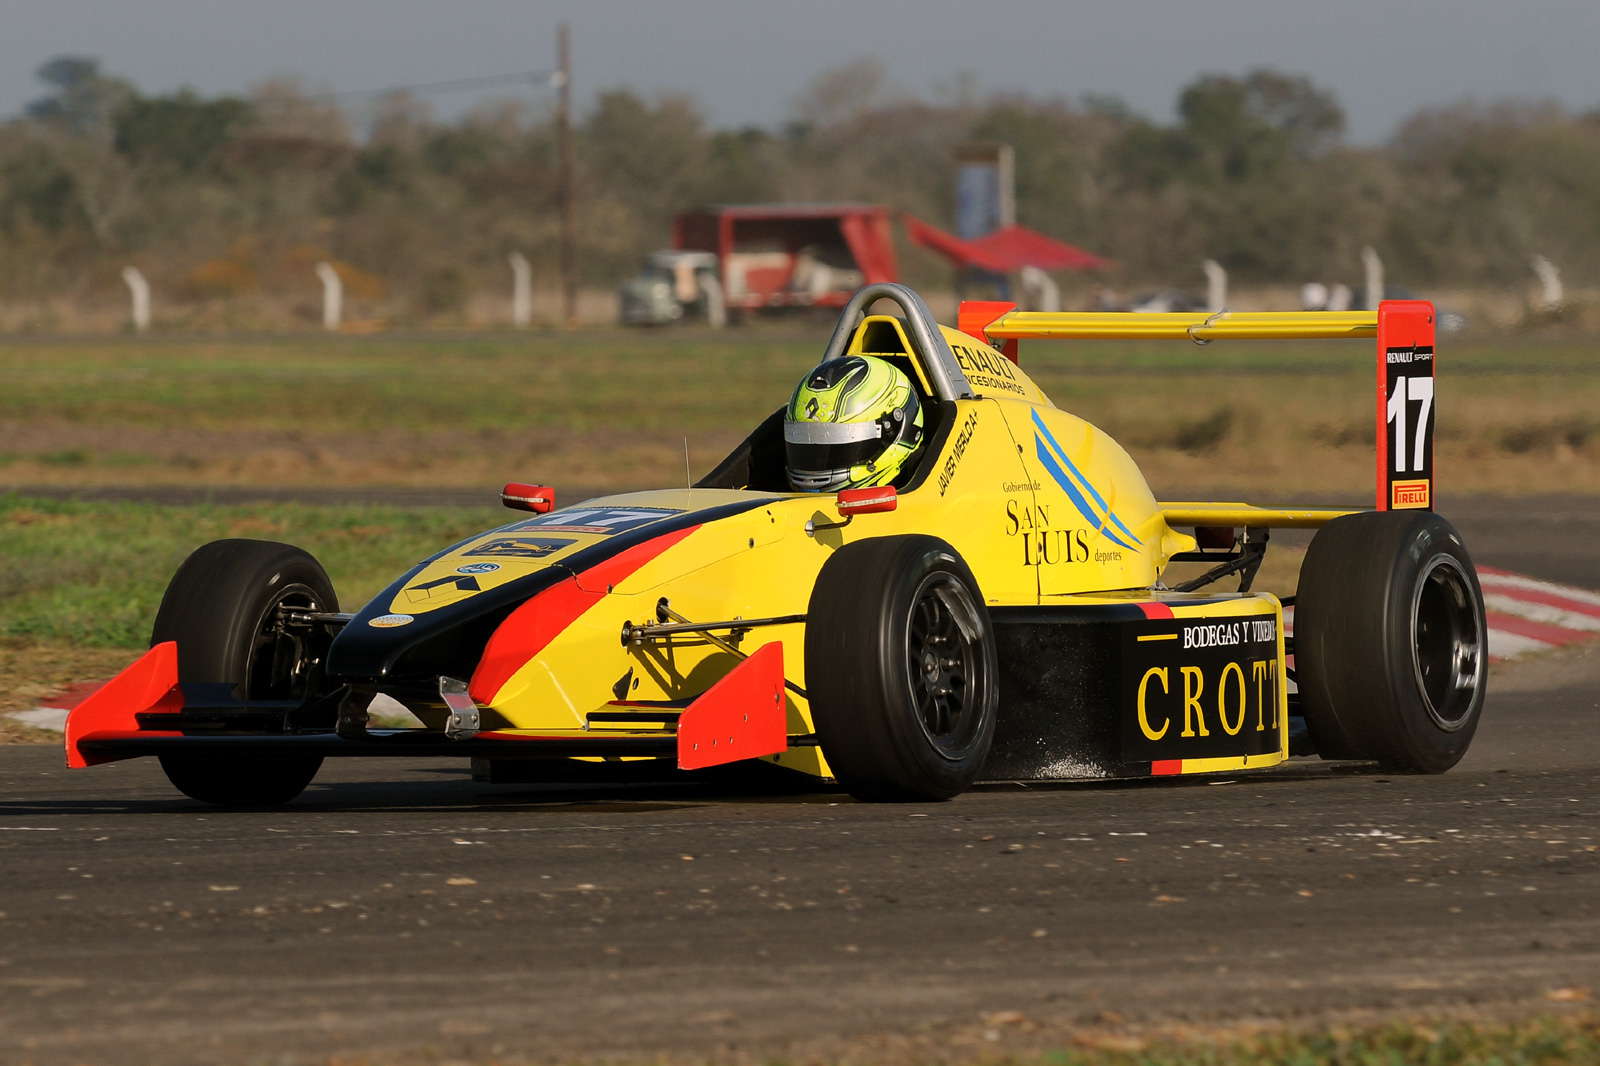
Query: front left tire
column 222, row 608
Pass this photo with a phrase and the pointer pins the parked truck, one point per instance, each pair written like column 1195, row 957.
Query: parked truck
column 739, row 258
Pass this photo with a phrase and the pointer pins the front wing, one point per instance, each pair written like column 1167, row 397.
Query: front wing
column 145, row 710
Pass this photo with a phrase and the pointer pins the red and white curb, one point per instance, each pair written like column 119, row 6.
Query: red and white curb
column 52, row 713
column 1525, row 616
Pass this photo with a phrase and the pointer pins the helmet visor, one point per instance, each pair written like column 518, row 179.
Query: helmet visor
column 815, row 447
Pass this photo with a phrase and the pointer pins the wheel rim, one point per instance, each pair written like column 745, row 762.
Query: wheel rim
column 279, row 665
column 1447, row 643
column 945, row 662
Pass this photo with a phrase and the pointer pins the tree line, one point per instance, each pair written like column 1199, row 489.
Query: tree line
column 231, row 199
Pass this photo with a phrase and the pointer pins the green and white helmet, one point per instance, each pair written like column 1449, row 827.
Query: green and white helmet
column 851, row 423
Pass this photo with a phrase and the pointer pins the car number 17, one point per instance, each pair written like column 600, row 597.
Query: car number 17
column 1404, row 392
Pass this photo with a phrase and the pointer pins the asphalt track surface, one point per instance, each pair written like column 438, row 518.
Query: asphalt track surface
column 401, row 911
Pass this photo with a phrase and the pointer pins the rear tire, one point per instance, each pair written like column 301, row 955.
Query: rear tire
column 220, row 608
column 1390, row 641
column 901, row 669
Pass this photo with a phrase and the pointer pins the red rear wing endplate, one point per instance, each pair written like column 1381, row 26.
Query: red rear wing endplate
column 1405, row 405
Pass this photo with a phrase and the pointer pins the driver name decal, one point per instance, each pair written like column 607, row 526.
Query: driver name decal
column 953, row 461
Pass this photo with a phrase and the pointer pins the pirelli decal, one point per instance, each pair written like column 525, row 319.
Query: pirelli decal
column 1200, row 689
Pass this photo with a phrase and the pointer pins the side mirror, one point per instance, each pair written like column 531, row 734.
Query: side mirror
column 868, row 501
column 537, row 498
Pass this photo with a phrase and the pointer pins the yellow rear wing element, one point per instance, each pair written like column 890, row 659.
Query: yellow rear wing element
column 1244, row 516
column 1405, row 334
column 1224, row 325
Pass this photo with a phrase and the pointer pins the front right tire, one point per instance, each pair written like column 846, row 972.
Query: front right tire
column 901, row 670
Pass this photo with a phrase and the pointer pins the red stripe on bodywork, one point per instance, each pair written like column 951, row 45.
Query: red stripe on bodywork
column 1166, row 767
column 539, row 621
column 150, row 683
column 1156, row 610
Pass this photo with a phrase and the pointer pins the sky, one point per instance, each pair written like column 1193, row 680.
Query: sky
column 745, row 61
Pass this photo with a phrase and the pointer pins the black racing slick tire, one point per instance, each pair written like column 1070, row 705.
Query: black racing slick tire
column 901, row 671
column 1391, row 643
column 222, row 608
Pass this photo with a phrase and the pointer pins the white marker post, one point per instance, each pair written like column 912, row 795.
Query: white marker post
column 1040, row 290
column 1551, row 295
column 139, row 291
column 521, row 290
column 716, row 306
column 1374, row 267
column 332, row 296
column 1216, row 286
column 1313, row 296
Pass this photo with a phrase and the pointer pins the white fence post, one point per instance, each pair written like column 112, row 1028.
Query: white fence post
column 332, row 296
column 521, row 290
column 1550, row 291
column 716, row 306
column 1374, row 266
column 139, row 291
column 1040, row 290
column 1216, row 285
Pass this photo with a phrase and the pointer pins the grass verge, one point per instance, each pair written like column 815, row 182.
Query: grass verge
column 1547, row 1039
column 91, row 575
column 612, row 410
column 80, row 582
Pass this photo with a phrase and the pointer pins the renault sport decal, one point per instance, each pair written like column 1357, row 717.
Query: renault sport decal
column 1075, row 485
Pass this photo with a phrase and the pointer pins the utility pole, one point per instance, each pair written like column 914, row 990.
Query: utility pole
column 569, row 213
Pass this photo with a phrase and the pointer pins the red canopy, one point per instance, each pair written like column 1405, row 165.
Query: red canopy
column 1005, row 251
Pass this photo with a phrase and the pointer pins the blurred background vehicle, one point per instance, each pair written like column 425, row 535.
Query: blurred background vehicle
column 776, row 256
column 674, row 285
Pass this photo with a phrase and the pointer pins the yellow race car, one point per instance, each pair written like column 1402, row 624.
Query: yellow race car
column 995, row 609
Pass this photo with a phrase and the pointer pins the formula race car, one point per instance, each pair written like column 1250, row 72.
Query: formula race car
column 995, row 611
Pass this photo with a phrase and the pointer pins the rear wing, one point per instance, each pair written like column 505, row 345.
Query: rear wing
column 1404, row 330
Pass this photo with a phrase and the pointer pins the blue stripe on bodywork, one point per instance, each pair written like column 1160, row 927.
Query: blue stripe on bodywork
column 1075, row 496
column 1048, row 454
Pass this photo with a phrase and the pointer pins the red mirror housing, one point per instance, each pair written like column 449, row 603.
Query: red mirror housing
column 1213, row 538
column 868, row 501
column 537, row 498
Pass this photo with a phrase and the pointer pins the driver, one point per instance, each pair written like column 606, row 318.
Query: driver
column 852, row 423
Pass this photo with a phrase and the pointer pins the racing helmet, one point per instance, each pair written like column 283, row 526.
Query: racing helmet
column 851, row 423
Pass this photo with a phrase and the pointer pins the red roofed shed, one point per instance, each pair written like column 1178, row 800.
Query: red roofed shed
column 792, row 255
column 1005, row 251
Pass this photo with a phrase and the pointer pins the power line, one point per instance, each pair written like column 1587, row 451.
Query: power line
column 540, row 78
